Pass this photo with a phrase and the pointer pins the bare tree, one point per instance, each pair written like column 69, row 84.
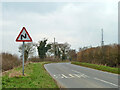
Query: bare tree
column 60, row 50
column 72, row 55
column 29, row 50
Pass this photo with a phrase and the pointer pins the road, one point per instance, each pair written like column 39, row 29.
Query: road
column 74, row 76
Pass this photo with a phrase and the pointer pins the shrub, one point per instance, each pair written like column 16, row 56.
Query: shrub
column 9, row 61
column 106, row 55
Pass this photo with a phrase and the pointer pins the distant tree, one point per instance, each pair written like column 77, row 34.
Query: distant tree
column 80, row 49
column 43, row 47
column 54, row 49
column 29, row 50
column 60, row 50
column 72, row 54
column 64, row 50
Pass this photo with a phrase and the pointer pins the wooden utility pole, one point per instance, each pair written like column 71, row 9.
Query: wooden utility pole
column 54, row 47
column 102, row 42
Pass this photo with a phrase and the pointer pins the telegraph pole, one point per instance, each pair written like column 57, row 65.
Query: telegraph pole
column 54, row 47
column 102, row 42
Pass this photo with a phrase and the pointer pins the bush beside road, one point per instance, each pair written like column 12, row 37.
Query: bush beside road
column 9, row 61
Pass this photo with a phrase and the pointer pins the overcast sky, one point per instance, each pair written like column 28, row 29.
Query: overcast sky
column 78, row 23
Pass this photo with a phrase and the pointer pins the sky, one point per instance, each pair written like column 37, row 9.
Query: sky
column 77, row 23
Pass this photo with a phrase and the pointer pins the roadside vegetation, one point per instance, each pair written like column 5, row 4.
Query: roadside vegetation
column 48, row 51
column 103, row 58
column 98, row 67
column 9, row 61
column 107, row 55
column 35, row 77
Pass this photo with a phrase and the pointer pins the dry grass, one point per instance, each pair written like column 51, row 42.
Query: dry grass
column 16, row 74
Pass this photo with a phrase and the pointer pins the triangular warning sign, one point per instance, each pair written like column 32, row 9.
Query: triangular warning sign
column 24, row 36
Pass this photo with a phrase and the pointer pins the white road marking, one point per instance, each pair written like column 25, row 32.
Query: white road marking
column 75, row 71
column 71, row 75
column 85, row 76
column 55, row 76
column 77, row 75
column 64, row 76
column 106, row 82
column 82, row 75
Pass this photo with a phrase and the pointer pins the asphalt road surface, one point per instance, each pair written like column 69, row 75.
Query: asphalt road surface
column 73, row 76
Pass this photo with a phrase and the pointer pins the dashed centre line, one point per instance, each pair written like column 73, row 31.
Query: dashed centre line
column 94, row 78
column 106, row 82
column 75, row 71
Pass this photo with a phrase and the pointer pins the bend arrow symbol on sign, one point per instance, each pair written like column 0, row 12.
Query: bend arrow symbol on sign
column 22, row 36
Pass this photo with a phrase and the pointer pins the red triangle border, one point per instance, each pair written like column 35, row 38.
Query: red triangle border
column 24, row 40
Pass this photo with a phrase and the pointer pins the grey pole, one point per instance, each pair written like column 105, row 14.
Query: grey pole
column 54, row 48
column 23, row 57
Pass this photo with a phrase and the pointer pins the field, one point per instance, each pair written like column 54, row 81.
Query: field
column 35, row 77
column 98, row 67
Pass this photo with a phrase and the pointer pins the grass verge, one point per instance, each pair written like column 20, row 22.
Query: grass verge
column 98, row 67
column 35, row 77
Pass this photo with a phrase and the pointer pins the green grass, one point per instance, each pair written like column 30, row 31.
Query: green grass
column 98, row 67
column 36, row 77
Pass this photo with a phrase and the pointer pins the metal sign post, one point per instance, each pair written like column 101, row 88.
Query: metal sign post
column 23, row 57
column 23, row 37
